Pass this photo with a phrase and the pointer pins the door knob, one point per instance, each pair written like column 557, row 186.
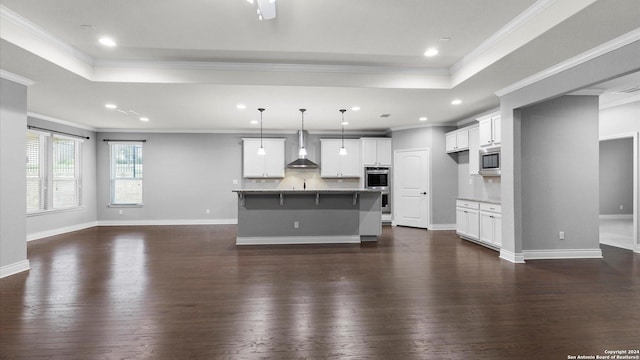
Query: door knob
column 423, row 193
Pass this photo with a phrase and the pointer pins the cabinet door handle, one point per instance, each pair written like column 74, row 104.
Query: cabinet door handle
column 423, row 193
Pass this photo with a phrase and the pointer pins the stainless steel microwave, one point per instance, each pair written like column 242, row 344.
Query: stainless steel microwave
column 490, row 161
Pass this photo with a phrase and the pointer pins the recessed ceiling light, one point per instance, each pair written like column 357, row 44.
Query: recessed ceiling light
column 241, row 106
column 431, row 52
column 344, row 123
column 107, row 41
column 424, row 118
column 445, row 38
column 355, row 108
column 145, row 119
column 111, row 106
column 254, row 122
column 456, row 102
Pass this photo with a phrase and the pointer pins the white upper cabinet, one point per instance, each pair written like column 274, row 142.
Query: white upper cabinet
column 474, row 148
column 490, row 130
column 334, row 165
column 376, row 151
column 457, row 140
column 269, row 165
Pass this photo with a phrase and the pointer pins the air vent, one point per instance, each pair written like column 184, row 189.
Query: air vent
column 628, row 90
column 385, row 115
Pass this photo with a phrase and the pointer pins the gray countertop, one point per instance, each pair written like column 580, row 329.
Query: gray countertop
column 302, row 191
column 488, row 201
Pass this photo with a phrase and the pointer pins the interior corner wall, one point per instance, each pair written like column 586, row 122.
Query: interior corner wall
column 13, row 188
column 559, row 167
column 616, row 177
column 444, row 169
column 51, row 223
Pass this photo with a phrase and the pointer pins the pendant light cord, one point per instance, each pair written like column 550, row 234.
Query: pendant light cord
column 342, row 123
column 261, row 110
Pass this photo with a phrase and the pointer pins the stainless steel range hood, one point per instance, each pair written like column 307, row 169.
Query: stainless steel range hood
column 302, row 162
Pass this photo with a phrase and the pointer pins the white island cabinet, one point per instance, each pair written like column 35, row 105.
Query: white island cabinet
column 269, row 165
column 334, row 165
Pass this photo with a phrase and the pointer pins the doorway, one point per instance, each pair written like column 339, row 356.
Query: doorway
column 618, row 191
column 411, row 188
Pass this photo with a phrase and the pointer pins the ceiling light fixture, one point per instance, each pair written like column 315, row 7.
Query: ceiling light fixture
column 107, row 41
column 431, row 52
column 144, row 119
column 343, row 151
column 261, row 149
column 241, row 106
column 456, row 102
column 355, row 108
column 254, row 122
column 111, row 106
column 424, row 118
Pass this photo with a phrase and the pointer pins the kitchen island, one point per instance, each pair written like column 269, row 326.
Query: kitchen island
column 320, row 216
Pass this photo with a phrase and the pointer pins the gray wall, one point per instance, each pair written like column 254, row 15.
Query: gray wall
column 13, row 188
column 616, row 176
column 560, row 173
column 87, row 214
column 620, row 61
column 185, row 174
column 444, row 169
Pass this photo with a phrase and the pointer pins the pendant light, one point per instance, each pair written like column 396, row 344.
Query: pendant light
column 343, row 151
column 302, row 152
column 261, row 149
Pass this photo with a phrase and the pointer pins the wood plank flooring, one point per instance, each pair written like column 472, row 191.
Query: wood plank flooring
column 187, row 292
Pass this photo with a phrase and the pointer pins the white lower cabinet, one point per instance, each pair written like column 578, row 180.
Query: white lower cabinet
column 480, row 222
column 491, row 224
column 467, row 218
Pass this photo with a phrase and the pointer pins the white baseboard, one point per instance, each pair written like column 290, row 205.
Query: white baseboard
column 516, row 258
column 281, row 240
column 58, row 231
column 167, row 222
column 616, row 216
column 618, row 245
column 562, row 254
column 442, row 227
column 14, row 268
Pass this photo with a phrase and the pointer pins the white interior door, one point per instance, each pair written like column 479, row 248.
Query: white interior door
column 411, row 179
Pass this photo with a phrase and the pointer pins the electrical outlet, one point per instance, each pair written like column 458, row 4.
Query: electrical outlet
column 621, row 207
column 120, row 212
column 470, row 181
column 208, row 211
column 296, row 224
column 561, row 235
column 235, row 181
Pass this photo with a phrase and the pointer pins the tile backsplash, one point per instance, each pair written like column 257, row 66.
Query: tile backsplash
column 295, row 178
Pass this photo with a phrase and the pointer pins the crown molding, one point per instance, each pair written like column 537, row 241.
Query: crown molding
column 620, row 102
column 588, row 92
column 59, row 121
column 420, row 126
column 517, row 22
column 262, row 66
column 600, row 50
column 7, row 75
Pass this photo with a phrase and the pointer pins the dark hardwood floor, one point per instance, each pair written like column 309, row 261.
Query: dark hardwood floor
column 187, row 292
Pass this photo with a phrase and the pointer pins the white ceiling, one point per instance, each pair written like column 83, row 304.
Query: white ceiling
column 187, row 64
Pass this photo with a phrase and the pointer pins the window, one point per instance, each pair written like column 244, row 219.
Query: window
column 65, row 172
column 36, row 172
column 53, row 172
column 126, row 173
